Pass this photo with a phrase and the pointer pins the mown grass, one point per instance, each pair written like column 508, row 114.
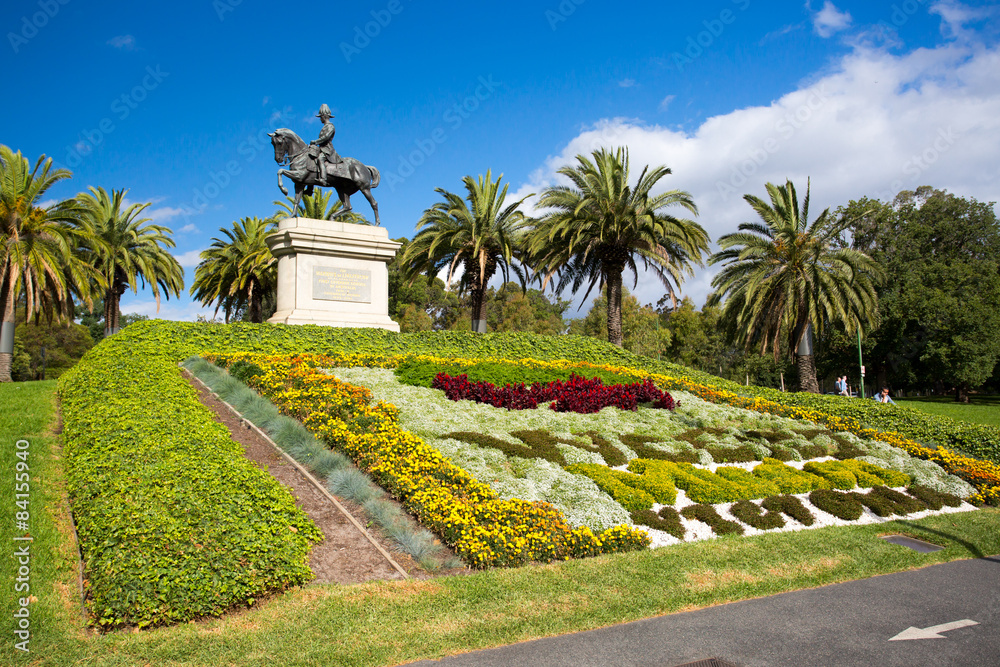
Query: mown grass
column 979, row 409
column 387, row 623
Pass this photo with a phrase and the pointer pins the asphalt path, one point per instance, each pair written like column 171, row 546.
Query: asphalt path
column 842, row 624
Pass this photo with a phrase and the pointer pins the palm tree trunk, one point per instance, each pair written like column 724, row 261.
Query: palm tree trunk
column 479, row 309
column 614, row 283
column 112, row 311
column 807, row 373
column 256, row 307
column 806, row 361
column 7, row 304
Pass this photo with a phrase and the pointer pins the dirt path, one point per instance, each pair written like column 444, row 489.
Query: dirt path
column 345, row 556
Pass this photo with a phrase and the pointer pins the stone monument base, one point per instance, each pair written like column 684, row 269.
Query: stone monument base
column 332, row 273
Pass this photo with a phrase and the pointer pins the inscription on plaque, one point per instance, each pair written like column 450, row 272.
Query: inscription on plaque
column 337, row 284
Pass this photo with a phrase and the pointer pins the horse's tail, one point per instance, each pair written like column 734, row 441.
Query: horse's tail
column 376, row 178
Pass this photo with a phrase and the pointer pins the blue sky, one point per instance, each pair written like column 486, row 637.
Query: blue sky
column 173, row 100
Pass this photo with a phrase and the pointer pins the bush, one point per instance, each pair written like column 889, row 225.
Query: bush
column 708, row 514
column 757, row 516
column 843, row 505
column 174, row 522
column 791, row 507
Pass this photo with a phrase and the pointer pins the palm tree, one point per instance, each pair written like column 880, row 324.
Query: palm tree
column 318, row 207
column 479, row 238
column 600, row 225
column 127, row 251
column 37, row 261
column 786, row 276
column 238, row 272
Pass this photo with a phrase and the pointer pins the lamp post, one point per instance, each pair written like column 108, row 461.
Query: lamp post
column 861, row 363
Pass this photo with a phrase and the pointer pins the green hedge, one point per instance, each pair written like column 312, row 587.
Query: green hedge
column 174, row 522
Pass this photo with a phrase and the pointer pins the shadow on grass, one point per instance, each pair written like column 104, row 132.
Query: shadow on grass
column 972, row 548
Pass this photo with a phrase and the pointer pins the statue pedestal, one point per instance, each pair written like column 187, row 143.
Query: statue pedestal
column 332, row 273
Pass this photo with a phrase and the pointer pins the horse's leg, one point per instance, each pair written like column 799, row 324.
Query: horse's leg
column 298, row 196
column 281, row 186
column 345, row 199
column 371, row 200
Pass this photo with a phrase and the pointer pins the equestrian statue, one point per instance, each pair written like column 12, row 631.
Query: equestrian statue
column 318, row 164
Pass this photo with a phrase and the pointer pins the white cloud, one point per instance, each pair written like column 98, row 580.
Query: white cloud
column 189, row 259
column 830, row 20
column 877, row 124
column 123, row 42
column 162, row 214
column 188, row 229
column 627, row 83
column 665, row 103
column 955, row 16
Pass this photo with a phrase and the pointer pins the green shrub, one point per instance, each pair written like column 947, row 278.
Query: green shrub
column 833, row 472
column 667, row 519
column 757, row 516
column 884, row 501
column 788, row 479
column 708, row 514
column 790, row 506
column 174, row 522
column 621, row 486
column 843, row 505
column 935, row 500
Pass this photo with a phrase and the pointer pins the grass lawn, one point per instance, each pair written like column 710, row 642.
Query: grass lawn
column 979, row 410
column 387, row 623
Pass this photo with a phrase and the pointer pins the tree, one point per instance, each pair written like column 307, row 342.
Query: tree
column 37, row 260
column 318, row 207
column 127, row 251
column 477, row 238
column 54, row 346
column 239, row 272
column 641, row 332
column 940, row 319
column 786, row 276
column 599, row 225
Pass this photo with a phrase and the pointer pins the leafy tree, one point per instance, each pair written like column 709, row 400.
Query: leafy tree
column 239, row 272
column 941, row 305
column 127, row 251
column 63, row 344
column 511, row 308
column 640, row 329
column 318, row 207
column 479, row 238
column 600, row 225
column 786, row 276
column 93, row 319
column 427, row 295
column 37, row 259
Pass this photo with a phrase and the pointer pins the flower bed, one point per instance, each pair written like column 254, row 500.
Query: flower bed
column 174, row 522
column 116, row 426
column 578, row 394
column 482, row 528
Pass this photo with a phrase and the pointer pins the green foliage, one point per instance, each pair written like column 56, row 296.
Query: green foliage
column 788, row 479
column 884, row 501
column 784, row 275
column 603, row 225
column 174, row 522
column 940, row 312
column 935, row 500
column 843, row 505
column 757, row 516
column 704, row 486
column 64, row 342
column 849, row 474
column 239, row 273
column 637, row 443
column 641, row 332
column 789, row 506
column 421, row 373
column 709, row 515
column 667, row 519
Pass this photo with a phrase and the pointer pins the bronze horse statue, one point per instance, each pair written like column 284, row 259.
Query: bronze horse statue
column 346, row 177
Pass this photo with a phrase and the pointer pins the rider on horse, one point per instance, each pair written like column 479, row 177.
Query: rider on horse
column 322, row 149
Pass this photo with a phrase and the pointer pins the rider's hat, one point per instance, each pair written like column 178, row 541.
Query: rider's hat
column 324, row 110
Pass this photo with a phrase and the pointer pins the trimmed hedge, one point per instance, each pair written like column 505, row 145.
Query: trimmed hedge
column 709, row 515
column 174, row 522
